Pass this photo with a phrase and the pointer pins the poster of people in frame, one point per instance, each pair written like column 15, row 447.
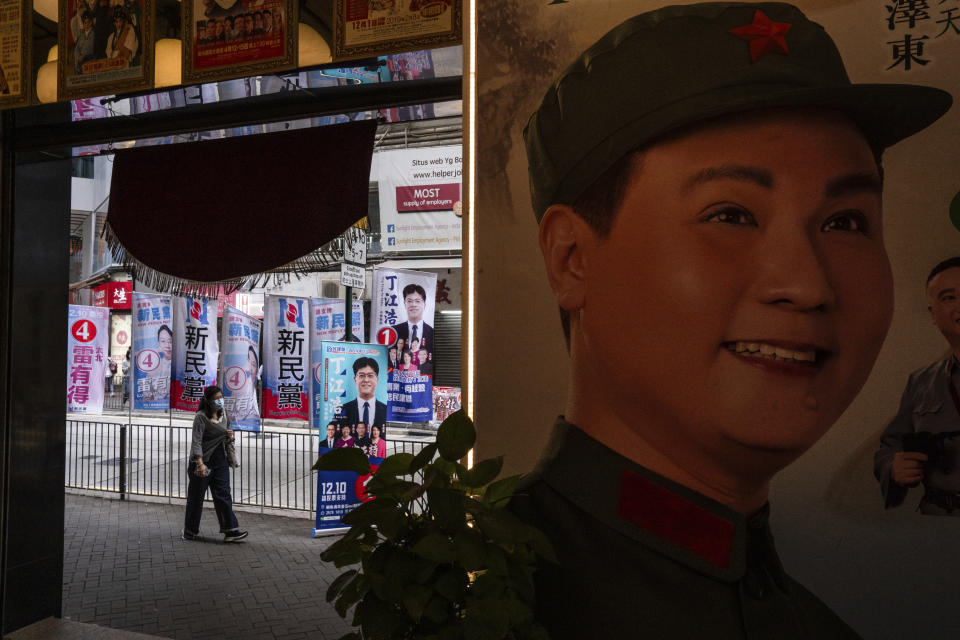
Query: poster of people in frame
column 16, row 87
column 106, row 46
column 375, row 27
column 235, row 38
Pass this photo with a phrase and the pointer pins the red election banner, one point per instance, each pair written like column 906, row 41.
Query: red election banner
column 286, row 355
column 87, row 342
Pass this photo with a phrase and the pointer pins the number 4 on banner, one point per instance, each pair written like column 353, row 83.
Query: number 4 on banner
column 84, row 331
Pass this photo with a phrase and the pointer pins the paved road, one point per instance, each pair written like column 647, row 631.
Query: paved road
column 125, row 567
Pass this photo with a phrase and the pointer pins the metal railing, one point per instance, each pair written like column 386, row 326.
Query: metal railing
column 151, row 460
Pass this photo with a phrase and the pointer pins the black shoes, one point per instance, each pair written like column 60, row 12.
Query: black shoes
column 186, row 535
column 234, row 536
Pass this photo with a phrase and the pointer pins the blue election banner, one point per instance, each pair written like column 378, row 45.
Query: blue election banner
column 240, row 354
column 339, row 492
column 350, row 409
column 409, row 397
column 349, row 381
column 153, row 351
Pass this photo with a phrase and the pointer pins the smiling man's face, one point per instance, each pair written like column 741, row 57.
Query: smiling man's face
column 744, row 290
column 943, row 298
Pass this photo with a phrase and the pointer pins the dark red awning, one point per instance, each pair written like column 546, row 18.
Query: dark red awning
column 223, row 210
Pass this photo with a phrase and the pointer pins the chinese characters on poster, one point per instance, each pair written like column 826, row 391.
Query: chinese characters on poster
column 195, row 350
column 372, row 27
column 234, row 38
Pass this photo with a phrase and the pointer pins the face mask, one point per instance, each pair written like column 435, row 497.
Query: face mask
column 218, row 403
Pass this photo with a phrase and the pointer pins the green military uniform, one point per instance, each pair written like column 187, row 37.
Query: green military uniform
column 643, row 557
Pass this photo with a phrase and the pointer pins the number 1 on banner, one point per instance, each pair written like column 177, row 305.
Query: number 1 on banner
column 387, row 336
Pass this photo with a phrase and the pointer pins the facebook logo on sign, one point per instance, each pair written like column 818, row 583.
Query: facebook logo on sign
column 391, row 228
column 391, row 242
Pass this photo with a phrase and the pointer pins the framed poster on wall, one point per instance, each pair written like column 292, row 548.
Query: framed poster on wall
column 106, row 47
column 366, row 28
column 225, row 39
column 16, row 76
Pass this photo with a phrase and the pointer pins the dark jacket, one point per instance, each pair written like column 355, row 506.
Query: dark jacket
column 643, row 557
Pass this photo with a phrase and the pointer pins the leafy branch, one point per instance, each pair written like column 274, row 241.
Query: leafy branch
column 455, row 566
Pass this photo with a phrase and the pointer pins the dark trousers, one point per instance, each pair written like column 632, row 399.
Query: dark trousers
column 219, row 482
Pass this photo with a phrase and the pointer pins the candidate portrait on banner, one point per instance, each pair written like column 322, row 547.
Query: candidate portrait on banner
column 152, row 351
column 240, row 368
column 404, row 303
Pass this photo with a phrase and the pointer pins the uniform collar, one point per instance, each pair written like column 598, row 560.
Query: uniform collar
column 664, row 516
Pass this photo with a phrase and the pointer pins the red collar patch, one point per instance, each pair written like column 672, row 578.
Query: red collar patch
column 764, row 35
column 675, row 519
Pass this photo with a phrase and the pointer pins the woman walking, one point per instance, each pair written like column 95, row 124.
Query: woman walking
column 209, row 466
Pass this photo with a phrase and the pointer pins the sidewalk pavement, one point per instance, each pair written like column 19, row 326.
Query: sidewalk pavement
column 125, row 567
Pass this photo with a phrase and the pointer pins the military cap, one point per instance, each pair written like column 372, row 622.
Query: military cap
column 666, row 69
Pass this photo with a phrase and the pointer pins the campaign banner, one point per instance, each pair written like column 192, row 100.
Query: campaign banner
column 87, row 343
column 195, row 350
column 350, row 408
column 404, row 303
column 236, row 38
column 240, row 366
column 105, row 47
column 420, row 197
column 153, row 351
column 329, row 319
column 286, row 351
column 349, row 389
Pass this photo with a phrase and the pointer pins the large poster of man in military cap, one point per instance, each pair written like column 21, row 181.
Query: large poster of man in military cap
column 706, row 229
column 106, row 46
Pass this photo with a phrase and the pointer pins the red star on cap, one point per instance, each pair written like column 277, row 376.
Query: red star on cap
column 764, row 35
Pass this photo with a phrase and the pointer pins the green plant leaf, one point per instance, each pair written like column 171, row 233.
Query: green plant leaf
column 423, row 458
column 378, row 619
column 337, row 585
column 502, row 527
column 343, row 459
column 350, row 595
column 437, row 610
column 469, row 546
column 369, row 512
column 490, row 615
column 435, row 547
column 483, row 472
column 499, row 493
column 396, row 465
column 452, row 585
column 415, row 599
column 444, row 468
column 540, row 544
column 448, row 508
column 456, row 436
